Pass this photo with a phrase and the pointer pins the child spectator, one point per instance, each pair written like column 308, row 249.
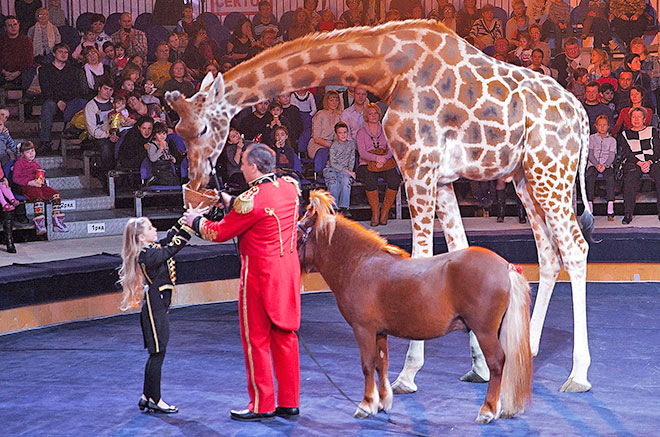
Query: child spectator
column 579, row 83
column 338, row 173
column 597, row 58
column 607, row 95
column 7, row 145
column 30, row 180
column 602, row 151
column 327, row 22
column 537, row 63
column 275, row 109
column 161, row 159
column 285, row 157
column 120, row 60
column 605, row 75
column 7, row 199
column 120, row 119
column 109, row 54
column 126, row 89
column 148, row 97
column 147, row 277
column 88, row 40
column 524, row 49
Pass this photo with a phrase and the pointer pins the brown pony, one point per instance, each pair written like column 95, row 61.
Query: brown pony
column 381, row 291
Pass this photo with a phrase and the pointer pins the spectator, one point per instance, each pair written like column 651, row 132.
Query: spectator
column 108, row 54
column 650, row 66
column 605, row 74
column 340, row 24
column 537, row 11
column 323, row 123
column 607, row 96
column 595, row 108
column 264, row 19
column 519, row 22
column 309, row 6
column 354, row 14
column 98, row 130
column 501, row 52
column 63, row 89
column 597, row 22
column 26, row 13
column 633, row 63
column 167, row 12
column 178, row 81
column 148, row 97
column 211, row 67
column 306, row 104
column 88, row 40
column 120, row 60
column 187, row 21
column 339, row 173
column 628, row 19
column 44, row 35
column 466, row 17
column 226, row 63
column 159, row 71
column 486, row 29
column 352, row 115
column 7, row 200
column 120, row 118
column 301, row 24
column 97, row 24
column 558, row 24
column 139, row 62
column 16, row 62
column 537, row 63
column 624, row 121
column 134, row 73
column 31, row 183
column 405, row 7
column 94, row 70
column 292, row 114
column 597, row 57
column 173, row 44
column 622, row 94
column 56, row 14
column 327, row 22
column 449, row 17
column 376, row 161
column 565, row 63
column 8, row 151
column 162, row 158
column 231, row 159
column 253, row 125
column 139, row 109
column 640, row 149
column 285, row 157
column 578, row 85
column 267, row 40
column 417, row 12
column 437, row 12
column 134, row 41
column 133, row 147
column 602, row 151
column 200, row 51
column 127, row 87
column 524, row 50
column 535, row 33
column 273, row 119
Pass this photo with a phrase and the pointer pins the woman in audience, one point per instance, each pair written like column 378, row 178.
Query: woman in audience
column 200, row 51
column 229, row 163
column 139, row 109
column 241, row 40
column 133, row 146
column 376, row 161
column 44, row 36
column 636, row 101
column 650, row 65
column 301, row 25
column 354, row 15
column 94, row 70
column 323, row 123
column 465, row 17
column 134, row 73
column 178, row 73
column 88, row 40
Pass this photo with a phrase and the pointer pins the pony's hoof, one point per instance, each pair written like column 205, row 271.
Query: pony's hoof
column 361, row 413
column 402, row 387
column 570, row 386
column 385, row 405
column 484, row 418
column 473, row 376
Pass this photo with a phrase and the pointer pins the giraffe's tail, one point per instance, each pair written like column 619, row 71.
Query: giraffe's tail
column 587, row 218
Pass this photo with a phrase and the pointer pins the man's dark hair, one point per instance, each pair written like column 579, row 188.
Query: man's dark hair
column 104, row 81
column 144, row 119
column 262, row 156
column 108, row 44
column 593, row 83
column 61, row 45
column 340, row 125
column 97, row 18
column 606, row 86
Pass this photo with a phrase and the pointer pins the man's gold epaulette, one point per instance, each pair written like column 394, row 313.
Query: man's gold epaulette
column 293, row 181
column 244, row 203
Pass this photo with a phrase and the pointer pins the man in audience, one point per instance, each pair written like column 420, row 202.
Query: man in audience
column 16, row 64
column 98, row 129
column 565, row 63
column 264, row 19
column 352, row 115
column 159, row 71
column 62, row 88
column 254, row 124
column 622, row 93
column 594, row 106
column 133, row 40
column 291, row 113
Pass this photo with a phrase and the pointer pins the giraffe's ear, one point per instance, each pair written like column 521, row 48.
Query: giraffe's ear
column 218, row 88
column 206, row 83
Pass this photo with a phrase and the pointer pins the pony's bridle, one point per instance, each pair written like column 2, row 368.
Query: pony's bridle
column 302, row 244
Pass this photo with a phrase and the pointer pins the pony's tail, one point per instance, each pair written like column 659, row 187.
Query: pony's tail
column 516, row 389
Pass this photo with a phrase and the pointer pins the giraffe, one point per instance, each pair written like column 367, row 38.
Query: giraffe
column 453, row 112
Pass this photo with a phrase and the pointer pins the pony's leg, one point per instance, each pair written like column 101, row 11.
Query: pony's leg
column 421, row 202
column 549, row 264
column 494, row 356
column 368, row 354
column 384, row 388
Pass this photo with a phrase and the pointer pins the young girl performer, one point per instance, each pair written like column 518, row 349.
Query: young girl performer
column 147, row 277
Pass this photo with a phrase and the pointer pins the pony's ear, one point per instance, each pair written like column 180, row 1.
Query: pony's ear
column 206, row 83
column 218, row 88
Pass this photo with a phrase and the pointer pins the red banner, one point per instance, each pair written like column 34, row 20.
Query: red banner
column 224, row 7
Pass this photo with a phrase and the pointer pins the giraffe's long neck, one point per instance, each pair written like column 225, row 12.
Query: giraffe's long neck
column 361, row 56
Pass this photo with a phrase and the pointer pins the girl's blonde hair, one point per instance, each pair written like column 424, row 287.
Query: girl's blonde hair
column 130, row 275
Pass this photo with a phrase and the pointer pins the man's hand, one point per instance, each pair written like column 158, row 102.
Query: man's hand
column 61, row 105
column 114, row 138
column 600, row 168
column 192, row 213
column 225, row 199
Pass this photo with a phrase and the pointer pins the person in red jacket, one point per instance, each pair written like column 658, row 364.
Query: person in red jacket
column 265, row 219
column 16, row 63
column 31, row 182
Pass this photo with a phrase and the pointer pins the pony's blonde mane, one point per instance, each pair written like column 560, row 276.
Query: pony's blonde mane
column 321, row 203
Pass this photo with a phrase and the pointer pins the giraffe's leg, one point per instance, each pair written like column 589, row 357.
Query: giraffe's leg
column 549, row 264
column 421, row 201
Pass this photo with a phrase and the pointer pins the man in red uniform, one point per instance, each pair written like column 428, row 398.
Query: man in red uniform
column 265, row 219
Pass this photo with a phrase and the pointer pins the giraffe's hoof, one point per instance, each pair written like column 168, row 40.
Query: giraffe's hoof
column 571, row 386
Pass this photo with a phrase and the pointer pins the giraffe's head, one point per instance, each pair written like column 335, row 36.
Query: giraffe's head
column 203, row 125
